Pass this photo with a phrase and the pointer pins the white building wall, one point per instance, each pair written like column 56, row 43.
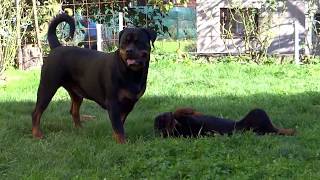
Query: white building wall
column 208, row 27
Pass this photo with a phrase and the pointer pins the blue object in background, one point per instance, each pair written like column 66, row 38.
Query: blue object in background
column 92, row 29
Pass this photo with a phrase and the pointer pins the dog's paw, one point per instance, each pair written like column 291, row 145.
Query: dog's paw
column 120, row 139
column 37, row 134
column 287, row 132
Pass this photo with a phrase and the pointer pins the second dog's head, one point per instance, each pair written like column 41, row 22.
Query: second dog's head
column 164, row 124
column 135, row 47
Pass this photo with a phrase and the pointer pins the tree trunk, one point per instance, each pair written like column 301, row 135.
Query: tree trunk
column 19, row 57
column 34, row 7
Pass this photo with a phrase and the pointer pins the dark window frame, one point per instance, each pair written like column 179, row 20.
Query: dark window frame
column 316, row 20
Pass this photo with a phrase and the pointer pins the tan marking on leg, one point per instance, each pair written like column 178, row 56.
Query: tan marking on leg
column 124, row 93
column 36, row 132
column 120, row 139
column 75, row 113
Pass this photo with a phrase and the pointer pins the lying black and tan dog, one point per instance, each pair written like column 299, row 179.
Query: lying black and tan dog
column 186, row 122
column 113, row 80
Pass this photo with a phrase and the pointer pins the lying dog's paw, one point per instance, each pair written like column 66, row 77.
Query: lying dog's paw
column 287, row 132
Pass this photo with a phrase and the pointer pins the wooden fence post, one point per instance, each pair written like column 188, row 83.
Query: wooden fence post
column 99, row 37
column 35, row 14
column 120, row 21
column 19, row 51
column 296, row 43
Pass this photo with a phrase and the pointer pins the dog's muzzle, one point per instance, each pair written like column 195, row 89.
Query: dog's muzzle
column 135, row 63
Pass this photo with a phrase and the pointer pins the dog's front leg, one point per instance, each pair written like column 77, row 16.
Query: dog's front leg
column 117, row 125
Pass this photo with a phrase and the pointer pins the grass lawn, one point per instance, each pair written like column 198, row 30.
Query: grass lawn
column 168, row 46
column 289, row 93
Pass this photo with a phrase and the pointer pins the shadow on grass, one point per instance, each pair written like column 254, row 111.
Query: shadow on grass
column 298, row 111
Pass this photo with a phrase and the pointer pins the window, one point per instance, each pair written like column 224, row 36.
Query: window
column 317, row 24
column 238, row 22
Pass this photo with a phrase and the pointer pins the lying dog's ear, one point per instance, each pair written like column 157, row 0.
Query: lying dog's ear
column 183, row 112
column 152, row 34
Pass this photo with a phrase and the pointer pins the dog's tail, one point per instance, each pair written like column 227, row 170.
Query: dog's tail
column 52, row 31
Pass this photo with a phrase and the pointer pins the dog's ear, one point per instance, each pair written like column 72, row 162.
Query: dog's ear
column 183, row 112
column 152, row 34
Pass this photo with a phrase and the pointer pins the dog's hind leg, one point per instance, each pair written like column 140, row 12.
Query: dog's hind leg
column 44, row 96
column 259, row 121
column 75, row 108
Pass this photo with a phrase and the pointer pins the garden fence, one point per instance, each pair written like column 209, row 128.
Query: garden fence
column 108, row 17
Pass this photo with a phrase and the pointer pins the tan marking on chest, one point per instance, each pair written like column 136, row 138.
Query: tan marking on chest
column 124, row 93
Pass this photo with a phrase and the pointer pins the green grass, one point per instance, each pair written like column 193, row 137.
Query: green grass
column 167, row 46
column 289, row 93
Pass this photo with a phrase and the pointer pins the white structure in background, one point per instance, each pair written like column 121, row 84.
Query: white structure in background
column 291, row 16
column 99, row 32
column 99, row 37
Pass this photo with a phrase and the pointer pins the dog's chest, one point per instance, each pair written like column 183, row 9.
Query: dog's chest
column 127, row 94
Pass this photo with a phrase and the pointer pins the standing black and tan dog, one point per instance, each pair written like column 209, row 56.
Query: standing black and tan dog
column 187, row 122
column 113, row 80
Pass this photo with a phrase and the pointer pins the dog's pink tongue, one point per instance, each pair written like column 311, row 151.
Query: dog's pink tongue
column 131, row 61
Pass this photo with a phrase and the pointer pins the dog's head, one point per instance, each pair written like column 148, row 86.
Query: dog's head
column 135, row 47
column 164, row 124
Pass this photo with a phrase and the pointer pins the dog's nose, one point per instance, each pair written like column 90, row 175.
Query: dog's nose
column 129, row 51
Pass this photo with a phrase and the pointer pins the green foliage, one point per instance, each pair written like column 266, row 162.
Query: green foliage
column 147, row 16
column 165, row 6
column 289, row 93
column 256, row 34
column 8, row 27
column 272, row 4
column 45, row 12
column 8, row 33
